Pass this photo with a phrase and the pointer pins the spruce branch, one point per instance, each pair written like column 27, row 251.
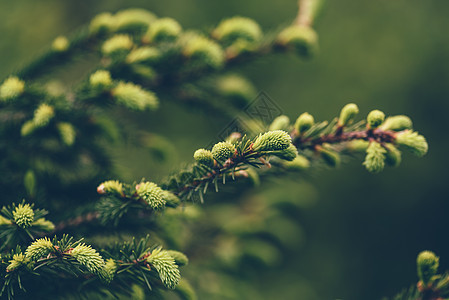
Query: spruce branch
column 67, row 262
column 381, row 138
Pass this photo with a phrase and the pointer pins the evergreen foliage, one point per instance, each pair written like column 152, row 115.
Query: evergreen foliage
column 140, row 62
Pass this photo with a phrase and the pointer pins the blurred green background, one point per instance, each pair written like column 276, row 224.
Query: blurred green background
column 363, row 232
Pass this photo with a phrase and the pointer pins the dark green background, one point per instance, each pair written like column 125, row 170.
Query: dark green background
column 364, row 232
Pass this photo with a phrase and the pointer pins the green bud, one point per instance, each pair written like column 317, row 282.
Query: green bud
column 375, row 118
column 88, row 258
column 67, row 133
column 145, row 72
column 204, row 157
column 414, row 142
column 203, row 51
column 133, row 20
column 43, row 225
column 152, row 194
column 111, row 187
column 43, row 114
column 180, row 258
column 302, row 39
column 23, row 215
column 116, row 44
column 29, row 181
column 11, row 88
column 427, row 263
column 330, row 157
column 17, row 261
column 272, row 141
column 375, row 157
column 102, row 23
column 165, row 29
column 222, row 151
column 357, row 146
column 60, row 44
column 134, row 97
column 146, row 55
column 397, row 123
column 237, row 88
column 171, row 199
column 4, row 221
column 300, row 163
column 185, row 290
column 347, row 114
column 108, row 272
column 27, row 128
column 101, row 80
column 289, row 154
column 393, row 155
column 166, row 267
column 39, row 248
column 238, row 28
column 304, row 122
column 280, row 123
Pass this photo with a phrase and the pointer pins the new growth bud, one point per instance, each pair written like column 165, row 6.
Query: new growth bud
column 29, row 181
column 67, row 133
column 427, row 263
column 134, row 97
column 38, row 249
column 145, row 55
column 375, row 157
column 117, row 44
column 393, row 155
column 375, row 118
column 60, row 44
column 102, row 23
column 108, row 271
column 222, row 151
column 300, row 163
column 357, row 146
column 165, row 266
column 280, row 123
column 11, row 88
column 397, row 123
column 304, row 122
column 237, row 88
column 180, row 258
column 152, row 194
column 204, row 157
column 42, row 116
column 302, row 39
column 330, row 157
column 111, row 187
column 272, row 141
column 414, row 142
column 23, row 215
column 133, row 20
column 203, row 51
column 347, row 114
column 237, row 28
column 88, row 258
column 165, row 29
column 101, row 80
column 288, row 154
column 17, row 261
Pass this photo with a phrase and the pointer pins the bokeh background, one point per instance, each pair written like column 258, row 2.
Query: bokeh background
column 361, row 232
